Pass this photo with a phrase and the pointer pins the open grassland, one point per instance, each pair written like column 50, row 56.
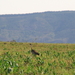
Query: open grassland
column 54, row 59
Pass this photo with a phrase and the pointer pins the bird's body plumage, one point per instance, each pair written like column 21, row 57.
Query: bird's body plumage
column 34, row 52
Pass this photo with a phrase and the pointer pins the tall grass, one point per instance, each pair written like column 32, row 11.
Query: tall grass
column 54, row 59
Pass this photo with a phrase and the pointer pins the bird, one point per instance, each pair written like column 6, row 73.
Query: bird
column 34, row 52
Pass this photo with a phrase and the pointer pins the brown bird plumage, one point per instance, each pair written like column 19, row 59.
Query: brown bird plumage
column 34, row 52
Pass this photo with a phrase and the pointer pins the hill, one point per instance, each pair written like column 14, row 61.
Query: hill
column 46, row 27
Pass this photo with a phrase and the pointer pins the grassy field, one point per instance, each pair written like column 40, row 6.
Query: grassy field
column 54, row 59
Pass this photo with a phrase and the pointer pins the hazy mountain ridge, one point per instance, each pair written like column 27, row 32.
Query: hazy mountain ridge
column 47, row 27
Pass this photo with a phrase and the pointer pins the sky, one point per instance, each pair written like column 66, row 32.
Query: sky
column 32, row 6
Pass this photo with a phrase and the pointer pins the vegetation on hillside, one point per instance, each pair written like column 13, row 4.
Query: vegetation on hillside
column 53, row 59
column 47, row 27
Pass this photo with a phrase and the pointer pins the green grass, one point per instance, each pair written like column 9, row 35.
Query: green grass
column 54, row 59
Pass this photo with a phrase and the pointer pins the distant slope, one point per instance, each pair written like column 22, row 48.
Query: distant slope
column 47, row 27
